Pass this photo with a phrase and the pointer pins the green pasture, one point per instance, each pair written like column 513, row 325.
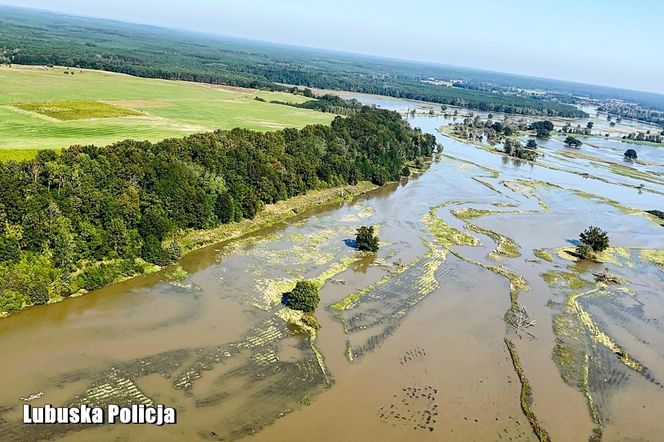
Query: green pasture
column 43, row 108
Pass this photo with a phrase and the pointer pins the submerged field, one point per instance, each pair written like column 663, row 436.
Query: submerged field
column 44, row 108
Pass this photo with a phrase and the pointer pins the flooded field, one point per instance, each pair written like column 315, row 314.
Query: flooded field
column 473, row 321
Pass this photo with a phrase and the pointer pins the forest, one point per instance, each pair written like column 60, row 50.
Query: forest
column 40, row 38
column 87, row 216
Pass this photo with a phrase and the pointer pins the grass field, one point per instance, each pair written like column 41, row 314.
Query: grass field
column 41, row 108
column 67, row 110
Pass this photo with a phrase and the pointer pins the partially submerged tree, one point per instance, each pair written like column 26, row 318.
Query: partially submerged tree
column 572, row 142
column 631, row 154
column 366, row 240
column 593, row 240
column 304, row 296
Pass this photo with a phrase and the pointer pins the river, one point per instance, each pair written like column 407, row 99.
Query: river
column 471, row 323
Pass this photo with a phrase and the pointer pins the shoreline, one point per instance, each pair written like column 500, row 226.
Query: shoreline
column 271, row 215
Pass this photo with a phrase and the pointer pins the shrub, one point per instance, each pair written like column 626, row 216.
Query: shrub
column 152, row 251
column 304, row 296
column 405, row 171
column 311, row 321
column 584, row 251
column 631, row 154
column 365, row 240
column 11, row 301
column 596, row 238
column 174, row 251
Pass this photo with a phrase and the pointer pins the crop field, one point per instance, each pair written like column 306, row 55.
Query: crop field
column 44, row 108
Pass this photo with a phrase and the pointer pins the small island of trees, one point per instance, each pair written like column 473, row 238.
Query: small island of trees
column 592, row 240
column 572, row 142
column 366, row 240
column 304, row 297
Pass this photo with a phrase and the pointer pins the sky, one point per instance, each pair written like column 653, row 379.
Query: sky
column 609, row 42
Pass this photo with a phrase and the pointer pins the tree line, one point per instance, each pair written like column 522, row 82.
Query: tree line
column 38, row 38
column 82, row 218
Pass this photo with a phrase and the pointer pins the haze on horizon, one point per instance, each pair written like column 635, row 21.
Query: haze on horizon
column 610, row 42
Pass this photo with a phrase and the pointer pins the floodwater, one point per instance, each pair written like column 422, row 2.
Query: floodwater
column 456, row 330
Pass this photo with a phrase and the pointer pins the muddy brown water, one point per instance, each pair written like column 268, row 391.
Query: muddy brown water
column 426, row 339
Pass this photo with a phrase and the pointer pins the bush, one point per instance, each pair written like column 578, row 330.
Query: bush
column 11, row 301
column 584, row 251
column 572, row 142
column 631, row 154
column 405, row 171
column 304, row 296
column 152, row 251
column 96, row 277
column 174, row 251
column 596, row 238
column 365, row 240
column 311, row 321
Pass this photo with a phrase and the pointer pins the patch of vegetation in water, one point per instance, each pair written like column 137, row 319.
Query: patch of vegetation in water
column 526, row 395
column 634, row 173
column 543, row 254
column 617, row 256
column 445, row 234
column 470, row 213
column 655, row 256
column 505, row 245
column 570, row 279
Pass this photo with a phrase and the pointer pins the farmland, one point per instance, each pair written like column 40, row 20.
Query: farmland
column 44, row 108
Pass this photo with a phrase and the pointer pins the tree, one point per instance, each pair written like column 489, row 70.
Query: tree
column 590, row 125
column 304, row 296
column 366, row 240
column 596, row 238
column 631, row 154
column 531, row 144
column 572, row 142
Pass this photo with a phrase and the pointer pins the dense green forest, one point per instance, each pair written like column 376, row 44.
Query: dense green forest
column 84, row 217
column 40, row 38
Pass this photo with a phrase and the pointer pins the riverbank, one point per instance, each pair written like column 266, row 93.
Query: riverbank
column 196, row 239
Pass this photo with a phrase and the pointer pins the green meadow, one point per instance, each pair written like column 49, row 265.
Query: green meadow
column 44, row 108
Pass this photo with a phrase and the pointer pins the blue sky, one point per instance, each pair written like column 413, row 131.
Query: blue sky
column 610, row 42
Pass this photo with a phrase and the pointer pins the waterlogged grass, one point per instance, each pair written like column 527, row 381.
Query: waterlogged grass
column 655, row 256
column 526, row 394
column 637, row 174
column 470, row 213
column 350, row 300
column 68, row 110
column 272, row 214
column 505, row 246
column 569, row 279
column 445, row 234
column 617, row 256
column 543, row 254
column 595, row 333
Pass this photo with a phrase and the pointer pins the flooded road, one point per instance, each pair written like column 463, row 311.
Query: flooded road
column 473, row 322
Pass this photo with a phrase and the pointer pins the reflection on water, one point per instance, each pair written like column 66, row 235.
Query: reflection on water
column 429, row 314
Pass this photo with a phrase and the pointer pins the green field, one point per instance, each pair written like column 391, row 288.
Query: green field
column 42, row 108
